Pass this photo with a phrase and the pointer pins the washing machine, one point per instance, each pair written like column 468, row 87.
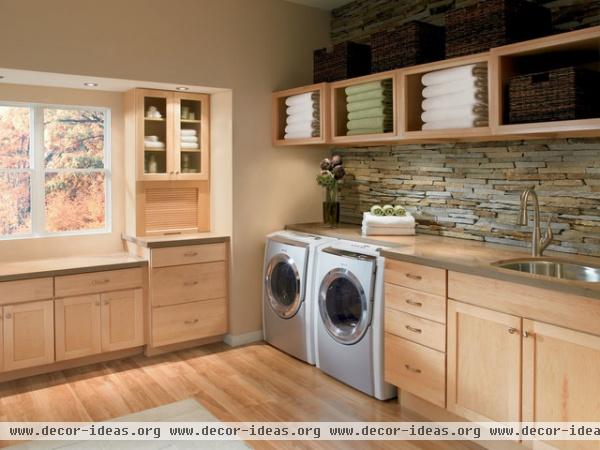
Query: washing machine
column 349, row 328
column 288, row 303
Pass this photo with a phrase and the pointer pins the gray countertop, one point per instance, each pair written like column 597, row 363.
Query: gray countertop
column 462, row 255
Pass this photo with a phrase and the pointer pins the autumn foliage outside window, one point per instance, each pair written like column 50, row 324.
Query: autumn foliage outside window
column 54, row 170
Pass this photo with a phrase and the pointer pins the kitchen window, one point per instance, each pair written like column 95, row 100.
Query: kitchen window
column 54, row 170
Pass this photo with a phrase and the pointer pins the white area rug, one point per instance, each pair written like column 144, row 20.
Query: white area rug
column 183, row 411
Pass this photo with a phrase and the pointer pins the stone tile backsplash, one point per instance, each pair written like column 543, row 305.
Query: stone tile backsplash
column 471, row 190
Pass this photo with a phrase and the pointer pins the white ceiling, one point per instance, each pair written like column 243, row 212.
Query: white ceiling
column 322, row 4
column 33, row 78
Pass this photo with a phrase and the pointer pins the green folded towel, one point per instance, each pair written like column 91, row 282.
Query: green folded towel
column 371, row 112
column 361, row 131
column 366, row 87
column 379, row 94
column 399, row 211
column 371, row 122
column 368, row 104
column 388, row 210
column 377, row 210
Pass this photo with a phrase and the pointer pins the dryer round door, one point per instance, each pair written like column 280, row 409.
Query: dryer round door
column 343, row 306
column 282, row 282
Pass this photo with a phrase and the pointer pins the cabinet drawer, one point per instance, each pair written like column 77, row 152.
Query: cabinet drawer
column 180, row 323
column 416, row 329
column 191, row 254
column 419, row 303
column 415, row 369
column 189, row 283
column 89, row 283
column 415, row 276
column 25, row 290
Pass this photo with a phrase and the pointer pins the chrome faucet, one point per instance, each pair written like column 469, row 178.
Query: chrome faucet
column 538, row 242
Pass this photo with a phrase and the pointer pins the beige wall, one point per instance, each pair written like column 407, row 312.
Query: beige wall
column 35, row 248
column 250, row 46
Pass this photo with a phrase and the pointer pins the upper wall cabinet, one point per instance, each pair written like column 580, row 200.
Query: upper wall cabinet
column 542, row 88
column 171, row 135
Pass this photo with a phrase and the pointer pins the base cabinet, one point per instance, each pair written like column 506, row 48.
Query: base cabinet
column 122, row 315
column 484, row 363
column 92, row 324
column 561, row 379
column 28, row 331
column 77, row 326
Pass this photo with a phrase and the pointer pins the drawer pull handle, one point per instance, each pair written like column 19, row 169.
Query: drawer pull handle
column 413, row 303
column 190, row 254
column 8, row 316
column 412, row 369
column 513, row 330
column 190, row 283
column 414, row 277
column 106, row 302
column 191, row 322
column 96, row 282
column 97, row 303
column 413, row 329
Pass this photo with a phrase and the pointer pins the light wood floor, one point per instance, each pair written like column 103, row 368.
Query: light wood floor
column 252, row 383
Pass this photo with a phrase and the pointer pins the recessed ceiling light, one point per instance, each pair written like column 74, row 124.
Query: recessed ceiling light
column 181, row 88
column 90, row 84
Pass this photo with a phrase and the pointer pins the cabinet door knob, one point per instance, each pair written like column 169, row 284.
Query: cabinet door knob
column 97, row 303
column 513, row 330
column 106, row 302
column 526, row 334
column 412, row 369
column 8, row 316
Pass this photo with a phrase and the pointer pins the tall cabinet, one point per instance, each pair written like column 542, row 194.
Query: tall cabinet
column 168, row 161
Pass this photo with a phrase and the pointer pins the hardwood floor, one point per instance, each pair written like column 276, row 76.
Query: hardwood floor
column 251, row 383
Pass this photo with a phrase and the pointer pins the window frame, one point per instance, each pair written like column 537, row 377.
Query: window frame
column 37, row 171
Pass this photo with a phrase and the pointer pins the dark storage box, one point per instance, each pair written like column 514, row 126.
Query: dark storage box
column 493, row 23
column 561, row 94
column 347, row 60
column 407, row 45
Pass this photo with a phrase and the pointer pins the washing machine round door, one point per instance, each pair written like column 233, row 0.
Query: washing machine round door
column 343, row 306
column 283, row 286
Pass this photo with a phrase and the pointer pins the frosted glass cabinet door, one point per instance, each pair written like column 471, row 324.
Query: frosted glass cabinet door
column 191, row 136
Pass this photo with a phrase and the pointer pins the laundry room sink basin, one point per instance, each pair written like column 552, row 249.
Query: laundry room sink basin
column 554, row 268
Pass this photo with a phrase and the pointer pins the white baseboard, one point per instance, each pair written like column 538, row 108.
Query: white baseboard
column 243, row 339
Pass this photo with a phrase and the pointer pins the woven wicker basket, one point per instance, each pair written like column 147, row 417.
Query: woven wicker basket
column 563, row 94
column 347, row 60
column 493, row 23
column 407, row 45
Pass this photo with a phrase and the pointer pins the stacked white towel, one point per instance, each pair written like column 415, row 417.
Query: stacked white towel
column 189, row 139
column 455, row 98
column 303, row 112
column 388, row 225
column 153, row 142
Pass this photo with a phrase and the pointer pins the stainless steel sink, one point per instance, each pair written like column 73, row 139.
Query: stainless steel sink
column 554, row 268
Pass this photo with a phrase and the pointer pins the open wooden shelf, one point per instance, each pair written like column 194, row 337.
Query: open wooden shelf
column 339, row 113
column 412, row 93
column 280, row 116
column 579, row 48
